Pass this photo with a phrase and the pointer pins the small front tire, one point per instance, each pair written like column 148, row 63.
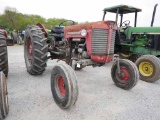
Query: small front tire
column 64, row 86
column 128, row 76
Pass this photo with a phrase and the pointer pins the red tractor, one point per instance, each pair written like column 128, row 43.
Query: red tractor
column 90, row 44
column 7, row 38
column 4, row 107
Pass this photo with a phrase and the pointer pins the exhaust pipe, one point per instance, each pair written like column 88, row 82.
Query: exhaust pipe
column 153, row 15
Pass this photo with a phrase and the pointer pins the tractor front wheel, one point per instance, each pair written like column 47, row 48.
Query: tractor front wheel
column 4, row 107
column 149, row 68
column 128, row 76
column 64, row 85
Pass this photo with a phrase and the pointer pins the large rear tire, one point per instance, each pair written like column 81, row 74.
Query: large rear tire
column 3, row 54
column 128, row 77
column 4, row 107
column 35, row 50
column 64, row 86
column 149, row 68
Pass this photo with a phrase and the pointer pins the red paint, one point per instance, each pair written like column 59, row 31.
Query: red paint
column 125, row 74
column 5, row 32
column 89, row 27
column 99, row 59
column 109, row 58
column 89, row 42
column 61, row 85
column 43, row 29
column 30, row 49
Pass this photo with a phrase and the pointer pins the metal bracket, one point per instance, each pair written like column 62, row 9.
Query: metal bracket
column 118, row 65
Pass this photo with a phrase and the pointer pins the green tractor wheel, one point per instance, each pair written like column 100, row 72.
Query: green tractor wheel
column 129, row 56
column 125, row 55
column 149, row 68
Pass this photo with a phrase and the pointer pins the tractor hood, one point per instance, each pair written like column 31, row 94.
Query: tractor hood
column 76, row 29
column 142, row 30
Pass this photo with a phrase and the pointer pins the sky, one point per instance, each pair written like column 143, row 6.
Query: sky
column 84, row 10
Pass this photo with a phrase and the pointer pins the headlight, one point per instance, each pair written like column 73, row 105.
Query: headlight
column 83, row 32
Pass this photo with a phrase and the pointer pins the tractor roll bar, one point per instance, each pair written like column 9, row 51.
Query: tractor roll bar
column 153, row 15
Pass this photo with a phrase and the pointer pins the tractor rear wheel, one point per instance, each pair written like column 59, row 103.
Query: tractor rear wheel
column 4, row 107
column 35, row 50
column 128, row 76
column 149, row 68
column 3, row 54
column 64, row 85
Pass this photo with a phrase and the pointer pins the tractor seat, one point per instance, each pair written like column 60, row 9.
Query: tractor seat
column 121, row 37
column 58, row 29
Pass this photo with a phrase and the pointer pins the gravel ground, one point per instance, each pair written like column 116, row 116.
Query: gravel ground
column 30, row 97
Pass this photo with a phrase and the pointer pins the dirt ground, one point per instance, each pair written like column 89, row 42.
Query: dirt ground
column 30, row 97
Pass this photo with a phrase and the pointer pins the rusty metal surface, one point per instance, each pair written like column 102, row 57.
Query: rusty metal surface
column 79, row 27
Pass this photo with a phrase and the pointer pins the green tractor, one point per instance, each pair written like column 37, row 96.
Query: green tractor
column 139, row 44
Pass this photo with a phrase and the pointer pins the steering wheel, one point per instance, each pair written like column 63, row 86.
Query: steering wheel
column 71, row 22
column 125, row 24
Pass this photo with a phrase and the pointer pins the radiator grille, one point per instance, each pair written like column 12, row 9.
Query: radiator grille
column 112, row 42
column 99, row 41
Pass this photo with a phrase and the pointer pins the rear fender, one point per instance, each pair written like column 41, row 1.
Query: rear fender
column 43, row 29
column 5, row 33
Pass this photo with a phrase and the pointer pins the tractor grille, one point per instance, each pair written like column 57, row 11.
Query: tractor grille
column 99, row 41
column 113, row 35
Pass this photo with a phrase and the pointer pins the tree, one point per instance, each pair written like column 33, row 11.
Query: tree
column 13, row 19
column 10, row 14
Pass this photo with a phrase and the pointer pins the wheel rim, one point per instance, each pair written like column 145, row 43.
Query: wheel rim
column 124, row 75
column 146, row 68
column 29, row 49
column 60, row 87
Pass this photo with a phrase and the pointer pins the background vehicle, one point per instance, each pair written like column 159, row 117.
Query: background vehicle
column 80, row 46
column 8, row 39
column 133, row 42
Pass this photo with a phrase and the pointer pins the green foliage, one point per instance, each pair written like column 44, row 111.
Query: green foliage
column 14, row 20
